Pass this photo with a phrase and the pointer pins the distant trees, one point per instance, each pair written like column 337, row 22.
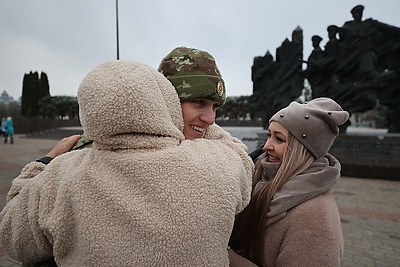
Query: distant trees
column 59, row 107
column 36, row 99
column 12, row 109
column 33, row 90
column 235, row 108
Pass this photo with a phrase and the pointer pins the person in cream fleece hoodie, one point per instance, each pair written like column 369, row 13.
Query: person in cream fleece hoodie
column 143, row 196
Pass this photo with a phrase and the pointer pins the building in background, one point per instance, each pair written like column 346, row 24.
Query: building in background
column 5, row 97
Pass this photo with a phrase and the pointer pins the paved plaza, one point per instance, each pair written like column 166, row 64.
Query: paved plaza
column 369, row 209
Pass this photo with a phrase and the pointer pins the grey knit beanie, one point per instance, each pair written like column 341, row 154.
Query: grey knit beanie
column 314, row 124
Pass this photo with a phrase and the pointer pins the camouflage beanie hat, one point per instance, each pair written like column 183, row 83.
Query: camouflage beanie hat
column 194, row 74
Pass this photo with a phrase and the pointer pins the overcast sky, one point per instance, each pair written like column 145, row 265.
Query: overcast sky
column 67, row 38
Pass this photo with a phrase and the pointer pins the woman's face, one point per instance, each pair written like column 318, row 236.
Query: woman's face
column 275, row 145
column 197, row 116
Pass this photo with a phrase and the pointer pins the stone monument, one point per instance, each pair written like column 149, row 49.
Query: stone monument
column 358, row 67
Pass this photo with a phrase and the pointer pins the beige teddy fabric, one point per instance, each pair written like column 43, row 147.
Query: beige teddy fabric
column 142, row 196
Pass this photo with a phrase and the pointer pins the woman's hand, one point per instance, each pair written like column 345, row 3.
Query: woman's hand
column 64, row 145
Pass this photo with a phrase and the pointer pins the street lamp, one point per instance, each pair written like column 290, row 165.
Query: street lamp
column 116, row 9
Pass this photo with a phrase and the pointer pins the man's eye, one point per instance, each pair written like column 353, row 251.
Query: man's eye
column 199, row 101
column 217, row 106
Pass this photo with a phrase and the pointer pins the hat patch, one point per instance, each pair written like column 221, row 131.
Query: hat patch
column 184, row 85
column 220, row 89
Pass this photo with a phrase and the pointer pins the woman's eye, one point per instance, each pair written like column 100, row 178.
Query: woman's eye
column 281, row 140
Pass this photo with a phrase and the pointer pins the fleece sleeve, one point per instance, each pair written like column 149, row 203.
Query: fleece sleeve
column 215, row 132
column 20, row 233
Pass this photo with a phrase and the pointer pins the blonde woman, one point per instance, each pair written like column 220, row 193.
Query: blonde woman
column 292, row 218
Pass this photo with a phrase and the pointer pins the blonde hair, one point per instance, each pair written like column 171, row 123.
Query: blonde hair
column 249, row 230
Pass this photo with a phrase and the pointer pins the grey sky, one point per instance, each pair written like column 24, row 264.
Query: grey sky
column 67, row 38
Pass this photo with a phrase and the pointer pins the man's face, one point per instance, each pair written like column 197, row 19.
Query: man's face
column 197, row 116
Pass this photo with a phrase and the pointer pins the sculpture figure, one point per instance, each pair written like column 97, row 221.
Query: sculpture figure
column 277, row 83
column 317, row 71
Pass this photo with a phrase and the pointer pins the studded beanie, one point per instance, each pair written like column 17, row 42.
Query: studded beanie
column 314, row 124
column 194, row 74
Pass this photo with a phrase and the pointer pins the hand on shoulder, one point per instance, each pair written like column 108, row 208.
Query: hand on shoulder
column 64, row 145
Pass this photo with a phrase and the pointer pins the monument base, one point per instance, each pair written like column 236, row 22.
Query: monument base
column 368, row 155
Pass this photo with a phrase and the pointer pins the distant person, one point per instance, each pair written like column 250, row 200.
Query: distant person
column 3, row 127
column 9, row 130
column 142, row 196
column 292, row 218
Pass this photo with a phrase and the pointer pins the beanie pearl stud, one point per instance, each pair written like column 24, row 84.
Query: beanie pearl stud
column 304, row 135
column 306, row 117
column 281, row 115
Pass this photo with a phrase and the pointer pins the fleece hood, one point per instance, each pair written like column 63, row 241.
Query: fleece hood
column 139, row 120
